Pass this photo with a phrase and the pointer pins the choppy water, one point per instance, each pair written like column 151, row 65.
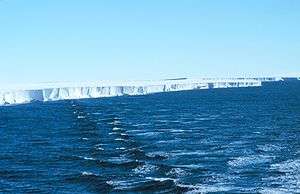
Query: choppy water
column 243, row 140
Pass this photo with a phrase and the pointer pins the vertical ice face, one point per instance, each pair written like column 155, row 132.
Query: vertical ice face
column 105, row 89
column 14, row 97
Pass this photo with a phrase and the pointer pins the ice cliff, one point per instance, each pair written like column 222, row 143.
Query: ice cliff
column 62, row 91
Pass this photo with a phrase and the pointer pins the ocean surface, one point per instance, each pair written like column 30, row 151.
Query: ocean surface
column 240, row 140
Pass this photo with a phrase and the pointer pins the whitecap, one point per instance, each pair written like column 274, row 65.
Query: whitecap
column 160, row 179
column 144, row 169
column 205, row 188
column 158, row 153
column 178, row 172
column 290, row 178
column 86, row 173
column 177, row 131
column 119, row 139
column 289, row 166
column 121, row 148
column 116, row 128
column 248, row 160
column 88, row 158
column 115, row 122
column 274, row 191
column 209, row 189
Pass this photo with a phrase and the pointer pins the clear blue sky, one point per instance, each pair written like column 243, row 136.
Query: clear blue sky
column 66, row 40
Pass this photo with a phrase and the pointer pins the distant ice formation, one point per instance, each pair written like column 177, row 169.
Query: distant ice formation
column 62, row 91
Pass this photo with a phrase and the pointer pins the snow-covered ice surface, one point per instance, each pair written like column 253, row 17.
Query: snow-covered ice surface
column 19, row 94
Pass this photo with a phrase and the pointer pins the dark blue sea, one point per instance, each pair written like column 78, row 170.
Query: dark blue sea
column 242, row 140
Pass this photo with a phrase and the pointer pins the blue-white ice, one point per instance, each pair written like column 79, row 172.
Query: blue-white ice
column 19, row 94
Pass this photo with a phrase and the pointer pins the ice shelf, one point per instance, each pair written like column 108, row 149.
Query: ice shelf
column 19, row 94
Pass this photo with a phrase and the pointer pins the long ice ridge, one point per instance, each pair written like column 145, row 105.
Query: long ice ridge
column 62, row 91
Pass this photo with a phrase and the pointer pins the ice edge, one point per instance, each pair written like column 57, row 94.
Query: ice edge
column 64, row 91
